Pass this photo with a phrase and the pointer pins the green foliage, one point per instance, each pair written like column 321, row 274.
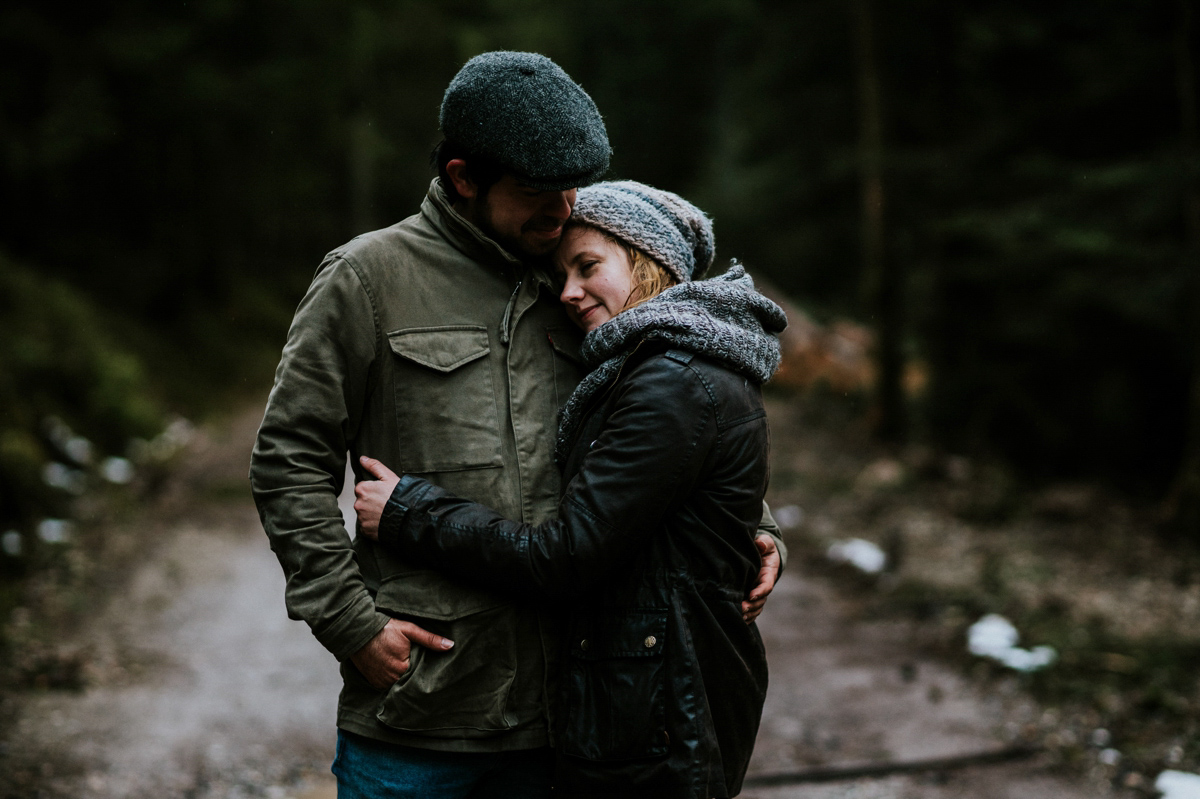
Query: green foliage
column 57, row 360
column 186, row 166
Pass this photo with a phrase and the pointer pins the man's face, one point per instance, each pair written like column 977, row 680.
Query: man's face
column 525, row 221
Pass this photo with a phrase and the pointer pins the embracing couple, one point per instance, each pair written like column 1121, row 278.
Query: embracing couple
column 557, row 430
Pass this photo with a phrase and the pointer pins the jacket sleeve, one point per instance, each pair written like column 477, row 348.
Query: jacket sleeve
column 660, row 420
column 768, row 526
column 298, row 464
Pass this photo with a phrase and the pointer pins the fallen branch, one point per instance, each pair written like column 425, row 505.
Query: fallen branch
column 886, row 769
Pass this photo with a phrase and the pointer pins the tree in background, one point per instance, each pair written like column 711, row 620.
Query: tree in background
column 185, row 166
column 1181, row 510
column 883, row 276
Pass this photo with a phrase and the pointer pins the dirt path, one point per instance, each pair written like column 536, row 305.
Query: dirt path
column 217, row 694
column 847, row 693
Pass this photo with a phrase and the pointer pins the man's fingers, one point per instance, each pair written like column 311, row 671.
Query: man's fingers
column 425, row 638
column 756, row 600
column 752, row 608
column 377, row 468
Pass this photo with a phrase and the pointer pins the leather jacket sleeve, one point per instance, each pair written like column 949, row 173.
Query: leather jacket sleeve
column 646, row 458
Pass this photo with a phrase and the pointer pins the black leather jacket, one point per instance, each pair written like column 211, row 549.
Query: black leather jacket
column 662, row 683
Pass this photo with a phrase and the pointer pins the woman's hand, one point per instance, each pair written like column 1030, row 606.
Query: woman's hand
column 372, row 496
column 768, row 573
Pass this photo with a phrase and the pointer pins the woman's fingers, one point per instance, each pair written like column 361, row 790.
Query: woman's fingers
column 377, row 469
column 371, row 498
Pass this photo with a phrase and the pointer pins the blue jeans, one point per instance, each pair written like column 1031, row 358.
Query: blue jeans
column 367, row 769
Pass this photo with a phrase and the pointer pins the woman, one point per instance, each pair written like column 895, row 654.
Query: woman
column 664, row 453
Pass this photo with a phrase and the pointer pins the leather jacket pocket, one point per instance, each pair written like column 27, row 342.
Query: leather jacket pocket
column 445, row 399
column 614, row 692
column 461, row 693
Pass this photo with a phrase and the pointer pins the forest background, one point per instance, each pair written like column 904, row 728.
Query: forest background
column 1005, row 191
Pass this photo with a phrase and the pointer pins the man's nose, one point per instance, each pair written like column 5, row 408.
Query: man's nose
column 559, row 204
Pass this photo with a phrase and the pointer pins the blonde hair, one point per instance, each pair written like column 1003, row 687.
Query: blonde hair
column 648, row 278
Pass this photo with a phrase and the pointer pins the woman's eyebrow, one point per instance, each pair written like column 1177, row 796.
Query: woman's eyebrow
column 584, row 253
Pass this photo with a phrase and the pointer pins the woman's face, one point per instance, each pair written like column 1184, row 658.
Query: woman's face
column 597, row 275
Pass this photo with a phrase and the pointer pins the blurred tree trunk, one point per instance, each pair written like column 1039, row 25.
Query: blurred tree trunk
column 1181, row 510
column 883, row 277
column 362, row 157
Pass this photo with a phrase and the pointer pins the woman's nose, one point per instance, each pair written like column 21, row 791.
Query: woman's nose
column 571, row 291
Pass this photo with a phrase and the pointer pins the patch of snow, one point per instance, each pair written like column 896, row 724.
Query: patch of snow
column 59, row 475
column 117, row 470
column 992, row 635
column 995, row 637
column 863, row 555
column 79, row 449
column 165, row 445
column 75, row 447
column 55, row 531
column 11, row 543
column 1178, row 785
column 179, row 433
column 788, row 517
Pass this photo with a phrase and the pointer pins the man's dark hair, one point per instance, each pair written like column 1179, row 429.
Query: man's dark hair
column 483, row 171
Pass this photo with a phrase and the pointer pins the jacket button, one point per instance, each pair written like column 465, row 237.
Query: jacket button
column 651, row 641
column 583, row 644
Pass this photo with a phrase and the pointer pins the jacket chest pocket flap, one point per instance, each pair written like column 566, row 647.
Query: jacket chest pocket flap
column 445, row 399
column 615, row 691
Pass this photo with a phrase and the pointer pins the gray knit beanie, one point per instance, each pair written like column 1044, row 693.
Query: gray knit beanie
column 660, row 223
column 523, row 112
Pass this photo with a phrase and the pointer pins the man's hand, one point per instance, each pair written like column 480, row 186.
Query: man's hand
column 372, row 495
column 768, row 573
column 386, row 656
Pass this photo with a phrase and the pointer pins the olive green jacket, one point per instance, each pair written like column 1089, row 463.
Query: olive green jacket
column 428, row 346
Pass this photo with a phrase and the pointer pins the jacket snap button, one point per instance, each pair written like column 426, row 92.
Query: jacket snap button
column 651, row 641
column 583, row 645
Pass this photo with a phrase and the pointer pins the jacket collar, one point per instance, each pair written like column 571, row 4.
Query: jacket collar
column 473, row 242
column 464, row 235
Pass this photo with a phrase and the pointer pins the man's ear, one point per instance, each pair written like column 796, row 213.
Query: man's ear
column 456, row 169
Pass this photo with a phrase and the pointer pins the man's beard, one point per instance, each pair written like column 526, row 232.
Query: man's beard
column 516, row 245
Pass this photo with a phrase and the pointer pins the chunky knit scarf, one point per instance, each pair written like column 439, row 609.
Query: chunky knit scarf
column 723, row 318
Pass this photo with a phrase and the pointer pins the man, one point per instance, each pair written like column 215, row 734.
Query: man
column 438, row 347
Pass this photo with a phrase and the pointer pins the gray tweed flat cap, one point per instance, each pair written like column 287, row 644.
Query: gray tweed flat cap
column 525, row 113
column 660, row 223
